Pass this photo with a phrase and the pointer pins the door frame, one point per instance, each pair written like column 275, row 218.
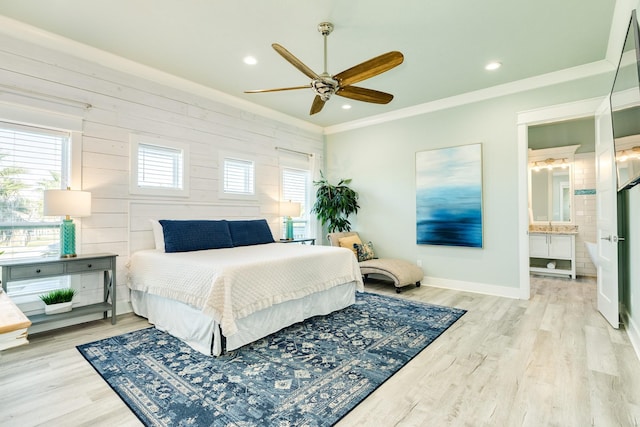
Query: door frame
column 550, row 114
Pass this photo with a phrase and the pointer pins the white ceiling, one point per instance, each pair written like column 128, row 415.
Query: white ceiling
column 446, row 43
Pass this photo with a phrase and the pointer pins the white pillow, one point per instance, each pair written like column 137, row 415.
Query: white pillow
column 158, row 234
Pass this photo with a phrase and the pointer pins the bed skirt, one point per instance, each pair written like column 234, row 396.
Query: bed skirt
column 203, row 334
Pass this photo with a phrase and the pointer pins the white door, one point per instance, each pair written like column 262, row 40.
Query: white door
column 606, row 216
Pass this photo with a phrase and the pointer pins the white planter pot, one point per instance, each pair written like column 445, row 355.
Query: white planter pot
column 62, row 307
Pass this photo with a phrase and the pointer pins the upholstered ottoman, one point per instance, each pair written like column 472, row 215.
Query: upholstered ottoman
column 402, row 272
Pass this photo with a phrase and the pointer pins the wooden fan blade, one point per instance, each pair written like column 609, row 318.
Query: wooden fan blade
column 277, row 89
column 366, row 95
column 295, row 61
column 370, row 68
column 317, row 105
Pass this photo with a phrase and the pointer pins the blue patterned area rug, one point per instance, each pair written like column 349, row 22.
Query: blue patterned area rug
column 309, row 374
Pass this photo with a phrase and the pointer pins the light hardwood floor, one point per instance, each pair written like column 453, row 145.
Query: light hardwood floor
column 549, row 361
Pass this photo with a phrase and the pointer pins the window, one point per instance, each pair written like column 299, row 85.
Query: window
column 32, row 160
column 158, row 167
column 295, row 188
column 238, row 177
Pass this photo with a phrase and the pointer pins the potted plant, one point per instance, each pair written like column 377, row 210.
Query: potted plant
column 58, row 300
column 334, row 204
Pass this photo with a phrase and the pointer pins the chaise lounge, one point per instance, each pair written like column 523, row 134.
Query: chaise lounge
column 401, row 272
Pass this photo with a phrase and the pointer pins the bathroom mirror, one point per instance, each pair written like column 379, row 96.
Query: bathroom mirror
column 551, row 185
column 551, row 195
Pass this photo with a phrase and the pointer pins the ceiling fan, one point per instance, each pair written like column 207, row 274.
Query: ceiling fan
column 324, row 85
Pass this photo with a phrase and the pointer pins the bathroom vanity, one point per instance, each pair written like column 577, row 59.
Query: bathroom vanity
column 552, row 229
column 552, row 253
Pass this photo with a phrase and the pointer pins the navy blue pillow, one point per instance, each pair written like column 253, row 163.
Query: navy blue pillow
column 250, row 232
column 195, row 235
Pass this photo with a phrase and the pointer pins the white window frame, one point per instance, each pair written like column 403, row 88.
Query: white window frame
column 182, row 190
column 30, row 302
column 222, row 194
column 306, row 218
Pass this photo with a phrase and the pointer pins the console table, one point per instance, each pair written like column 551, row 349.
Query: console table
column 34, row 268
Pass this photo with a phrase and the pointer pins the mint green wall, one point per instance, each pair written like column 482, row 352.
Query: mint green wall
column 381, row 161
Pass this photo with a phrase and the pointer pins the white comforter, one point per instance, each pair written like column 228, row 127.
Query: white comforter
column 229, row 284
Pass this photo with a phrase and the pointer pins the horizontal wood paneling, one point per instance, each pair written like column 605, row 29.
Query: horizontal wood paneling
column 141, row 236
column 121, row 105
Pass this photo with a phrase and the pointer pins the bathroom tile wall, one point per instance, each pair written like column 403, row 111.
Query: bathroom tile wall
column 584, row 185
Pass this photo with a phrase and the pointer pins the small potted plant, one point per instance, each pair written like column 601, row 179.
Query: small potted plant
column 58, row 300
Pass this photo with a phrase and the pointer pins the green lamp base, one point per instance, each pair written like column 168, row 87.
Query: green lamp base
column 289, row 229
column 67, row 239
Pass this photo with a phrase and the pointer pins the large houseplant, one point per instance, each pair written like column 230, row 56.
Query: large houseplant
column 334, row 204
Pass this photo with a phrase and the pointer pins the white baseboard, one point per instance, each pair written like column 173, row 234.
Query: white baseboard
column 478, row 288
column 633, row 331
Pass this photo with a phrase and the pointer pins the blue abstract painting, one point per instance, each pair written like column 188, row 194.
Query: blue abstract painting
column 449, row 196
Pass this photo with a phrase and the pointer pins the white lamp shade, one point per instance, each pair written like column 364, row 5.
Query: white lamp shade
column 67, row 202
column 290, row 209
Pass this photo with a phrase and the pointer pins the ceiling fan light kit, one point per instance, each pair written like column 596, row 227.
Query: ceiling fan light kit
column 325, row 85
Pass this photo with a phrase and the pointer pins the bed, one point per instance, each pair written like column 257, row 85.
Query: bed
column 219, row 285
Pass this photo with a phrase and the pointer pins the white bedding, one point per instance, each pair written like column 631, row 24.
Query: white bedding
column 230, row 284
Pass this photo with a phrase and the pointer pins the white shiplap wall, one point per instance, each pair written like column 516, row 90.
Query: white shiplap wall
column 122, row 104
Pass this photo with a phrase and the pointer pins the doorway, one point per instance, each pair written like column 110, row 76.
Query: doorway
column 563, row 190
column 541, row 118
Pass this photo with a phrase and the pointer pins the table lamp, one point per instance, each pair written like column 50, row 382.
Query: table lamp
column 289, row 209
column 67, row 203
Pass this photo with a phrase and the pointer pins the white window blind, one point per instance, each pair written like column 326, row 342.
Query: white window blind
column 296, row 188
column 31, row 160
column 160, row 166
column 238, row 176
column 295, row 184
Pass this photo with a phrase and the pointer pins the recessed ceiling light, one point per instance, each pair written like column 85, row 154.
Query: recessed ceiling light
column 250, row 60
column 346, row 107
column 493, row 66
